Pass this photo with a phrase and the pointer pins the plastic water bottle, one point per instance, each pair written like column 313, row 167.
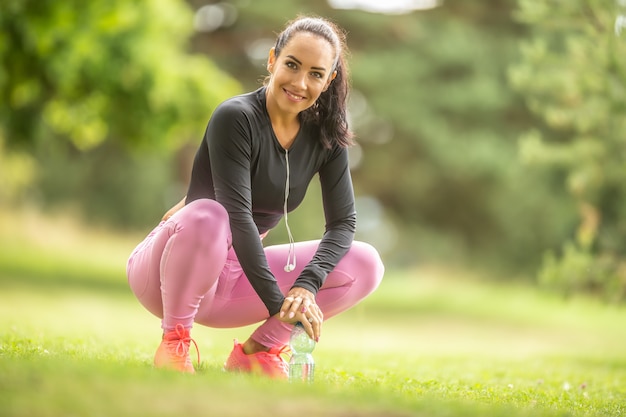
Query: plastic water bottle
column 301, row 364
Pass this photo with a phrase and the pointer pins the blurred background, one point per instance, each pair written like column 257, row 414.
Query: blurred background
column 491, row 135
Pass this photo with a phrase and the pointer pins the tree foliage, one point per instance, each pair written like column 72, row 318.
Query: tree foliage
column 573, row 77
column 90, row 72
column 437, row 127
column 93, row 91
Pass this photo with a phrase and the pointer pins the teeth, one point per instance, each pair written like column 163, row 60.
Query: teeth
column 294, row 96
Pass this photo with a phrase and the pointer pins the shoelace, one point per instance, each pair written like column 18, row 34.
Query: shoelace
column 182, row 347
column 276, row 355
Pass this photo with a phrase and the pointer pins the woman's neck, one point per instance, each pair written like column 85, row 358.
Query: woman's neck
column 285, row 125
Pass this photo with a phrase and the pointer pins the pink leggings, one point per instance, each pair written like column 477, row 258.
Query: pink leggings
column 186, row 271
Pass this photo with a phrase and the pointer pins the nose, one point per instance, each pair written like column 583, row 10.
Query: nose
column 299, row 81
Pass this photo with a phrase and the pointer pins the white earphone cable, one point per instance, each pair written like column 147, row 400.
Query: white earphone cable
column 291, row 255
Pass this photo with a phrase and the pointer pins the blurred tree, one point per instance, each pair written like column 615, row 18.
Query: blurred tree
column 102, row 80
column 573, row 76
column 17, row 172
column 437, row 125
column 95, row 90
column 439, row 80
column 103, row 70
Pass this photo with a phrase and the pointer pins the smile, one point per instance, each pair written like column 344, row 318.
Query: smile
column 293, row 96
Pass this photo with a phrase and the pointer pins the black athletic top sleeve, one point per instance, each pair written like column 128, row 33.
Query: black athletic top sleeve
column 241, row 164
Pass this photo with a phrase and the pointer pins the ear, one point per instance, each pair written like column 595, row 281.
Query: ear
column 271, row 59
column 330, row 79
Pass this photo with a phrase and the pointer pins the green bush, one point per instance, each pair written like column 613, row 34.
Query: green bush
column 572, row 75
column 578, row 270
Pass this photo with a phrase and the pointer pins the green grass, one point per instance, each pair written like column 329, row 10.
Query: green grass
column 74, row 342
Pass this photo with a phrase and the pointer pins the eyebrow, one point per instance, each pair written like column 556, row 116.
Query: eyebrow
column 300, row 63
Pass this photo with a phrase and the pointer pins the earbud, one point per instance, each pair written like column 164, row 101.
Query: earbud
column 290, row 267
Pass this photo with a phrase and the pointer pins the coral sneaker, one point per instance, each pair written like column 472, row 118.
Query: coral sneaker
column 173, row 352
column 270, row 363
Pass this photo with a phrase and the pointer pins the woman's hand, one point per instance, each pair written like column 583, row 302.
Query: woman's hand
column 299, row 305
column 174, row 209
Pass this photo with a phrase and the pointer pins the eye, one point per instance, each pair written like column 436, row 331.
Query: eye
column 291, row 65
column 317, row 75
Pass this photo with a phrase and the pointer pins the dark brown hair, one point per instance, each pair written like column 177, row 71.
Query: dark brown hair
column 330, row 110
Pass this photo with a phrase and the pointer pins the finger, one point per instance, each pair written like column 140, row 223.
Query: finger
column 307, row 325
column 295, row 307
column 313, row 310
column 284, row 309
column 318, row 320
column 317, row 330
column 306, row 306
column 314, row 317
column 320, row 316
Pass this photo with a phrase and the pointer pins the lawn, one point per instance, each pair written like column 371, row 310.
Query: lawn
column 429, row 342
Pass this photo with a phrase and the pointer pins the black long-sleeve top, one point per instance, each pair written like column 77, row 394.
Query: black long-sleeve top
column 241, row 164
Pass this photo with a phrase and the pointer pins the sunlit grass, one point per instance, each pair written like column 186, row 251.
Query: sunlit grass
column 429, row 342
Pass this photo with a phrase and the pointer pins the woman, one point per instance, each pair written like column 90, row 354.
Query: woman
column 205, row 262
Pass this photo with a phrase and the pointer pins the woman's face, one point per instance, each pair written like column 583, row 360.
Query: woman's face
column 302, row 71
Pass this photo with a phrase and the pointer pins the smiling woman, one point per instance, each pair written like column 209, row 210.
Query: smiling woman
column 206, row 263
column 324, row 48
column 304, row 69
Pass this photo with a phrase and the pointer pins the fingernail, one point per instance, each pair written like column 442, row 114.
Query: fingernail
column 291, row 315
column 282, row 314
column 317, row 339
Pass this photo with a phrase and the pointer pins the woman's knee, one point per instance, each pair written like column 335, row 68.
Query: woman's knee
column 368, row 264
column 203, row 213
column 203, row 218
